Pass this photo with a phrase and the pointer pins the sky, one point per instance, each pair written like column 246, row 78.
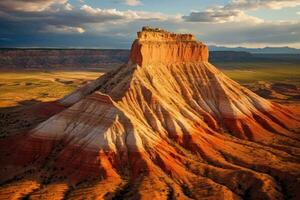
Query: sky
column 114, row 23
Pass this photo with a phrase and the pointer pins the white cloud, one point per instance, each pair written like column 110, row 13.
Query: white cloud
column 97, row 11
column 68, row 7
column 114, row 14
column 62, row 29
column 30, row 5
column 132, row 2
column 234, row 11
column 255, row 4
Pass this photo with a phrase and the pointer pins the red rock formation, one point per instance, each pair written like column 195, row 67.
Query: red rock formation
column 166, row 125
column 163, row 47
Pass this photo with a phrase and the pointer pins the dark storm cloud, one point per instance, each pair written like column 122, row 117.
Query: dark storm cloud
column 49, row 26
column 63, row 17
column 30, row 5
column 79, row 17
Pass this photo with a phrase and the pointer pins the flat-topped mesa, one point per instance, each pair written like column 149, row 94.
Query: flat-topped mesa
column 150, row 34
column 156, row 46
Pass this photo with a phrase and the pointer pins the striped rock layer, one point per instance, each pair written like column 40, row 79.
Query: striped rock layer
column 168, row 125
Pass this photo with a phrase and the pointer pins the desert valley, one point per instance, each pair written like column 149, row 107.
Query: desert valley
column 166, row 124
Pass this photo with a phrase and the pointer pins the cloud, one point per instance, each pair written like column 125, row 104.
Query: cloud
column 271, row 4
column 62, row 29
column 267, row 33
column 68, row 6
column 82, row 15
column 31, row 5
column 63, row 25
column 99, row 15
column 132, row 2
column 68, row 19
column 104, row 14
column 220, row 15
column 235, row 11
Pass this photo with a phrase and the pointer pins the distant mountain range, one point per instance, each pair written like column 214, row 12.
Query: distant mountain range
column 266, row 50
column 99, row 58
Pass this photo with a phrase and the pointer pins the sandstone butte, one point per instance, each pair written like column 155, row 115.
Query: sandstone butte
column 168, row 125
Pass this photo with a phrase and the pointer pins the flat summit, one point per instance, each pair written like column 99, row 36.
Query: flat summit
column 167, row 125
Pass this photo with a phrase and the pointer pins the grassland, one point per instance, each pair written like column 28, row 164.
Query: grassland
column 252, row 72
column 24, row 86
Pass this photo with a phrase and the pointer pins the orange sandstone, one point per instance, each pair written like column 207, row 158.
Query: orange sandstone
column 163, row 48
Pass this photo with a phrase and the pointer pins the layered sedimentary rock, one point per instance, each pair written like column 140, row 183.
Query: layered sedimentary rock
column 168, row 125
column 15, row 59
column 165, row 48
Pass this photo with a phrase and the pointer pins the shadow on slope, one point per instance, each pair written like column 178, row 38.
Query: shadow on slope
column 26, row 115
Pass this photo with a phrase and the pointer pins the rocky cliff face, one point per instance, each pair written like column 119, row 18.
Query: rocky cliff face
column 162, row 47
column 170, row 126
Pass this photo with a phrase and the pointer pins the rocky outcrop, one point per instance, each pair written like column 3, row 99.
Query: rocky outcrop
column 161, row 129
column 162, row 47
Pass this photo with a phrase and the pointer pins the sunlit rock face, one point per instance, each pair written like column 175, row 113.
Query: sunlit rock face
column 162, row 47
column 166, row 125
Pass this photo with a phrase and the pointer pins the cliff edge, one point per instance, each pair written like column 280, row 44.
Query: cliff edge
column 156, row 46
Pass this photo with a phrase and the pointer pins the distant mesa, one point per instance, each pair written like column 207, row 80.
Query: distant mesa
column 166, row 125
column 149, row 33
